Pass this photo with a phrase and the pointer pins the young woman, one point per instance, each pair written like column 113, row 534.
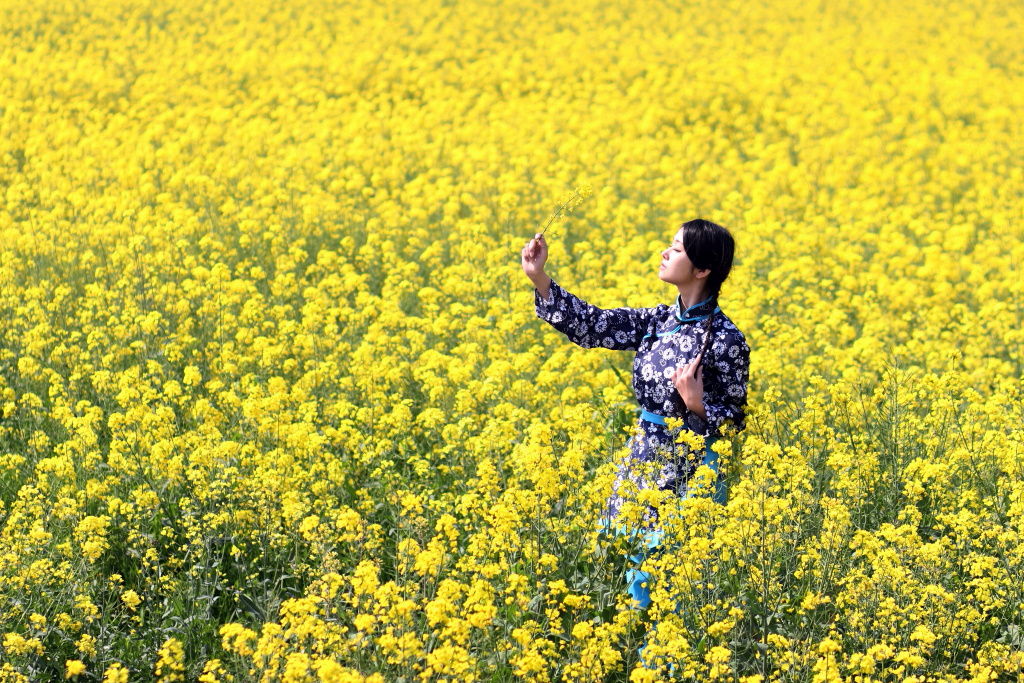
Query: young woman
column 691, row 362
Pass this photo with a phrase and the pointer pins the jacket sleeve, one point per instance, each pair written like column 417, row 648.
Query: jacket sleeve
column 589, row 326
column 725, row 385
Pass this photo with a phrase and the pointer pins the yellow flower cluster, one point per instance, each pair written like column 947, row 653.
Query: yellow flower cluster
column 275, row 404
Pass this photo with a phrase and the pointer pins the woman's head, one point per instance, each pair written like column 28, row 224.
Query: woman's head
column 707, row 252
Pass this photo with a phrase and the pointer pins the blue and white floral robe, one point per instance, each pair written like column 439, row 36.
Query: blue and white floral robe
column 664, row 337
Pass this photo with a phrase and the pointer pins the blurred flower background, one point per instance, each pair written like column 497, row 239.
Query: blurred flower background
column 275, row 404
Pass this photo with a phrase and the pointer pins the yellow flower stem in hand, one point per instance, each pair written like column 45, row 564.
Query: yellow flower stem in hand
column 574, row 200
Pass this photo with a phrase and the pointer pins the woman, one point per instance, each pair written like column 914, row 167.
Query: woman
column 691, row 362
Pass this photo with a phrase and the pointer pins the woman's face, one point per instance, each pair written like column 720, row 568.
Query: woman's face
column 675, row 264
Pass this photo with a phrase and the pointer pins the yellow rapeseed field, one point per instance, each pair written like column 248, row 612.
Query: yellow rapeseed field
column 275, row 404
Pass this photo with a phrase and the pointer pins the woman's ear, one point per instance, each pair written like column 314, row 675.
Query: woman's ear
column 701, row 272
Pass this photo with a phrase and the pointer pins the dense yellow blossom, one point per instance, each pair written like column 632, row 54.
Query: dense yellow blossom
column 74, row 668
column 275, row 405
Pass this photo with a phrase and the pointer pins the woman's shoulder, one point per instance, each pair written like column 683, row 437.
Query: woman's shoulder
column 663, row 309
column 729, row 333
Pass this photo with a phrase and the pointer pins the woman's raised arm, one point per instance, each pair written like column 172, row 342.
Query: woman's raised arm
column 585, row 325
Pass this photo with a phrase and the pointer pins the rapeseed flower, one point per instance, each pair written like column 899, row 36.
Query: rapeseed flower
column 268, row 369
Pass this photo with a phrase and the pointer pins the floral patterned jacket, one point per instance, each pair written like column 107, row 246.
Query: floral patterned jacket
column 664, row 337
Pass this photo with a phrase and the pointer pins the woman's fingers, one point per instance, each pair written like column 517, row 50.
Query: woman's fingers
column 681, row 374
column 690, row 369
column 530, row 250
column 533, row 246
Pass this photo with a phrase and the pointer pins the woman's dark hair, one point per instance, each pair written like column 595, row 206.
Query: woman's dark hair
column 709, row 246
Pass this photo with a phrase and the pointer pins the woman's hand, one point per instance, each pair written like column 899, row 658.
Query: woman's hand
column 689, row 382
column 535, row 255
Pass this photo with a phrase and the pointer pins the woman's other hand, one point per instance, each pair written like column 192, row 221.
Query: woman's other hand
column 689, row 382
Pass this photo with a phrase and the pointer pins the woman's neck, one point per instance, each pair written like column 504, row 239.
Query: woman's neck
column 688, row 296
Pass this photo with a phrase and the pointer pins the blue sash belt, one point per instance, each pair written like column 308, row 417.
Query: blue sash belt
column 652, row 417
column 660, row 420
column 710, row 456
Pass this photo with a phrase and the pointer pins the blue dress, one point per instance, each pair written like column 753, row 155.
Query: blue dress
column 664, row 337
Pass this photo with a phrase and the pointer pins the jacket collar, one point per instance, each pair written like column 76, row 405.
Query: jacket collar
column 698, row 311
